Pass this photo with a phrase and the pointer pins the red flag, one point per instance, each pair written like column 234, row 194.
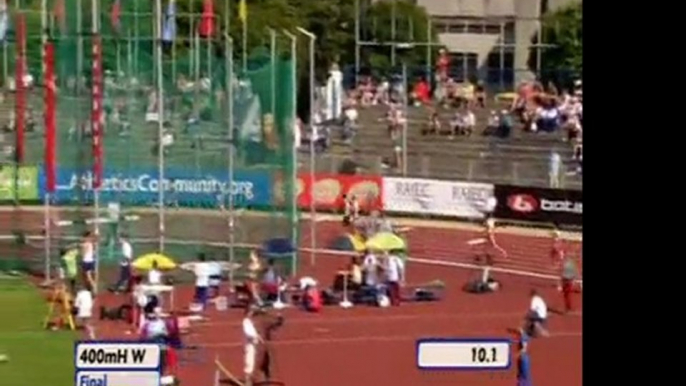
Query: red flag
column 20, row 97
column 206, row 27
column 96, row 113
column 50, row 122
column 115, row 15
column 58, row 10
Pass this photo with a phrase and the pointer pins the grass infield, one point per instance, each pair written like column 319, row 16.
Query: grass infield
column 33, row 356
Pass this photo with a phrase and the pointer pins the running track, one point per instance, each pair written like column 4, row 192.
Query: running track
column 370, row 346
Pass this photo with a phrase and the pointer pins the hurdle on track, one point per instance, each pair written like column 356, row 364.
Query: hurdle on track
column 220, row 370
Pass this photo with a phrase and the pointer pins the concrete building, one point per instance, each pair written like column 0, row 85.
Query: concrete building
column 491, row 39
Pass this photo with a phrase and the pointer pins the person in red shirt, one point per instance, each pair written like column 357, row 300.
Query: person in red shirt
column 312, row 299
column 568, row 276
column 421, row 92
column 557, row 252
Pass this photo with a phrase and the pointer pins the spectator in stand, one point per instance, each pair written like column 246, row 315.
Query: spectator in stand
column 383, row 92
column 421, row 93
column 469, row 122
column 433, row 125
column 506, row 124
column 464, row 122
column 493, row 123
column 548, row 116
column 457, row 123
column 465, row 93
column 395, row 120
column 366, row 91
column 480, row 95
column 349, row 123
column 578, row 156
column 450, row 93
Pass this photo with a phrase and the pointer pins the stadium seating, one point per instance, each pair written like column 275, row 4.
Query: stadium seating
column 522, row 159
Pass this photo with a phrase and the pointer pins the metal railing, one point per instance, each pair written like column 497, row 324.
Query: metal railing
column 520, row 173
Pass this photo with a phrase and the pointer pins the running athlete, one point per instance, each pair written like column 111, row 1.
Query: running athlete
column 254, row 269
column 557, row 251
column 88, row 260
column 252, row 340
column 488, row 239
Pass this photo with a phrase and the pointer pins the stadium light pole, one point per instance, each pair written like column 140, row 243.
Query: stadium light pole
column 294, row 149
column 313, row 130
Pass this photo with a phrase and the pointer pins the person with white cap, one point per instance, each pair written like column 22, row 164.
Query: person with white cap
column 252, row 339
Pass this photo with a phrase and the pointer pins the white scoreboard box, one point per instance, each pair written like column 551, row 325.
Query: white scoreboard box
column 117, row 363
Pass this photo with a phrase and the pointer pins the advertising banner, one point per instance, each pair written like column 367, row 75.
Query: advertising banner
column 436, row 197
column 538, row 204
column 327, row 191
column 182, row 187
column 24, row 188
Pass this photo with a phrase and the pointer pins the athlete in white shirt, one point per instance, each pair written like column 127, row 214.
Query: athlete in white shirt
column 88, row 259
column 537, row 315
column 395, row 276
column 154, row 275
column 84, row 310
column 252, row 339
column 202, row 270
column 370, row 266
column 124, row 264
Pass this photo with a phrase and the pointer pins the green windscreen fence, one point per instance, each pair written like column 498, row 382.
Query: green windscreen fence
column 204, row 168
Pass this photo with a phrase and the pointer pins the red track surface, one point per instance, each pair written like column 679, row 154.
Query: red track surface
column 373, row 347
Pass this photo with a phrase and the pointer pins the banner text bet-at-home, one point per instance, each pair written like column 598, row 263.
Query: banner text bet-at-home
column 182, row 187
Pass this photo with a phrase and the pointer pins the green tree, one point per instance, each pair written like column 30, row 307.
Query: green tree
column 562, row 30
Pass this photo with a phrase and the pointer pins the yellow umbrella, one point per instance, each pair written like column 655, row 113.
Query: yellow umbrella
column 356, row 242
column 145, row 262
column 385, row 242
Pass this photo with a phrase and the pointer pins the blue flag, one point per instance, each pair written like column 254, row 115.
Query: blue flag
column 169, row 28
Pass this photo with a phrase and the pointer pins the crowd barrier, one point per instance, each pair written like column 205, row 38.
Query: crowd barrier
column 326, row 192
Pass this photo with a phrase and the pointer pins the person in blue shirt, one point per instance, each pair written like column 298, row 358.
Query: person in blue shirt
column 523, row 361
